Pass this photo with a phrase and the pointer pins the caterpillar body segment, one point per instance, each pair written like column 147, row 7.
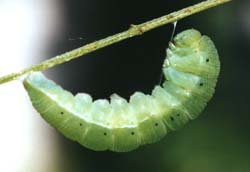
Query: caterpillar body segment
column 191, row 69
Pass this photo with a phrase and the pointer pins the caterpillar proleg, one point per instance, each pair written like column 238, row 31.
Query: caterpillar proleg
column 191, row 69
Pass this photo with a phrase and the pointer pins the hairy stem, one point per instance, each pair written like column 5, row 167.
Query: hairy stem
column 134, row 30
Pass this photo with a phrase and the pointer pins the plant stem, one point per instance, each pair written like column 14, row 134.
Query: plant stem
column 134, row 30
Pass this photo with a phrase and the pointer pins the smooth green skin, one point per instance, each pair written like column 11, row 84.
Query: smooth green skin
column 191, row 70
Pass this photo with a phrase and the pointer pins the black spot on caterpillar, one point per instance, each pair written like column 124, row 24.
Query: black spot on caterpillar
column 190, row 69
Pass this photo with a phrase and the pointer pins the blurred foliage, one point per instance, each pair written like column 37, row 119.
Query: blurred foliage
column 217, row 141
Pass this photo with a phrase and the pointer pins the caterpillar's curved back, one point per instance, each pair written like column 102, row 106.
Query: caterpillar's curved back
column 191, row 70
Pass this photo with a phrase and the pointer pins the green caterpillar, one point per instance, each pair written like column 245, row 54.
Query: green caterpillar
column 191, row 70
